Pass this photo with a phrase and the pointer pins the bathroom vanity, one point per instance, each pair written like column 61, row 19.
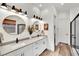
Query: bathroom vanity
column 15, row 37
column 27, row 47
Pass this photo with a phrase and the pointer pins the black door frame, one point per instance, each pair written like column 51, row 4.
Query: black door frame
column 73, row 36
column 74, row 29
column 54, row 37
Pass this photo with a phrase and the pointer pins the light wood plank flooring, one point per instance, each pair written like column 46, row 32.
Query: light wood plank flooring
column 62, row 49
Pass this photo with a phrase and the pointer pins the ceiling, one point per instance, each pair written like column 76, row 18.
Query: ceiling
column 58, row 6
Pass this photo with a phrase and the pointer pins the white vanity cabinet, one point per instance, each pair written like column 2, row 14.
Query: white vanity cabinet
column 33, row 49
column 18, row 52
column 39, row 47
column 25, row 51
column 28, row 50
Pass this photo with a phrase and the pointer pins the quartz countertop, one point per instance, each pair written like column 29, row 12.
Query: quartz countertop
column 5, row 49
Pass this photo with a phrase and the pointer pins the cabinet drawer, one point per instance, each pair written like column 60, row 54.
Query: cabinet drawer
column 36, row 47
column 25, row 51
column 44, row 43
column 39, row 47
column 18, row 52
column 28, row 50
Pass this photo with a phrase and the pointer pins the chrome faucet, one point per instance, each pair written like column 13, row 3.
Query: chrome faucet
column 17, row 40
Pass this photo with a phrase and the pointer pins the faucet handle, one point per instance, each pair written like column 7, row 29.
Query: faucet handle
column 1, row 37
column 0, row 40
column 17, row 40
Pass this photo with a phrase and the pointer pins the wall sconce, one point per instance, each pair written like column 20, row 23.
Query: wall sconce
column 4, row 5
column 25, row 12
column 13, row 7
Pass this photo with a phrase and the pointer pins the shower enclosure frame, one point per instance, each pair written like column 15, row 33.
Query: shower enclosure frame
column 73, row 31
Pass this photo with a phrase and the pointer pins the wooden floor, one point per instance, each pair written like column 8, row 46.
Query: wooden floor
column 47, row 53
column 62, row 49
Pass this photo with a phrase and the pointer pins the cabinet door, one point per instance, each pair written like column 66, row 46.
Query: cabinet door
column 36, row 48
column 28, row 50
column 42, row 46
column 16, row 52
column 44, row 43
column 39, row 47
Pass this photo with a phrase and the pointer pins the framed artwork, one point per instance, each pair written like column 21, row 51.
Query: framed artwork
column 46, row 26
column 36, row 27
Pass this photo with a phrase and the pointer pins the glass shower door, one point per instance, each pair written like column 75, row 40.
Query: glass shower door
column 77, row 34
column 74, row 33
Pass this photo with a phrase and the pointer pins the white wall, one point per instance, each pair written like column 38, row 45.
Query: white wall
column 73, row 12
column 31, row 8
column 62, row 23
column 48, row 16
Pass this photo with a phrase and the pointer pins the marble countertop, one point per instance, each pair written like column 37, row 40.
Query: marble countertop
column 11, row 47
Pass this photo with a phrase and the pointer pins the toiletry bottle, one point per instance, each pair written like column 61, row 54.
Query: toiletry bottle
column 33, row 16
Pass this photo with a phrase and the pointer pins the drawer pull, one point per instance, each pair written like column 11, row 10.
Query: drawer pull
column 22, row 54
column 43, row 42
column 36, row 48
column 36, row 54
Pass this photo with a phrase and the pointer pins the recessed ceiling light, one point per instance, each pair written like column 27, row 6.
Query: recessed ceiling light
column 62, row 4
column 40, row 5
